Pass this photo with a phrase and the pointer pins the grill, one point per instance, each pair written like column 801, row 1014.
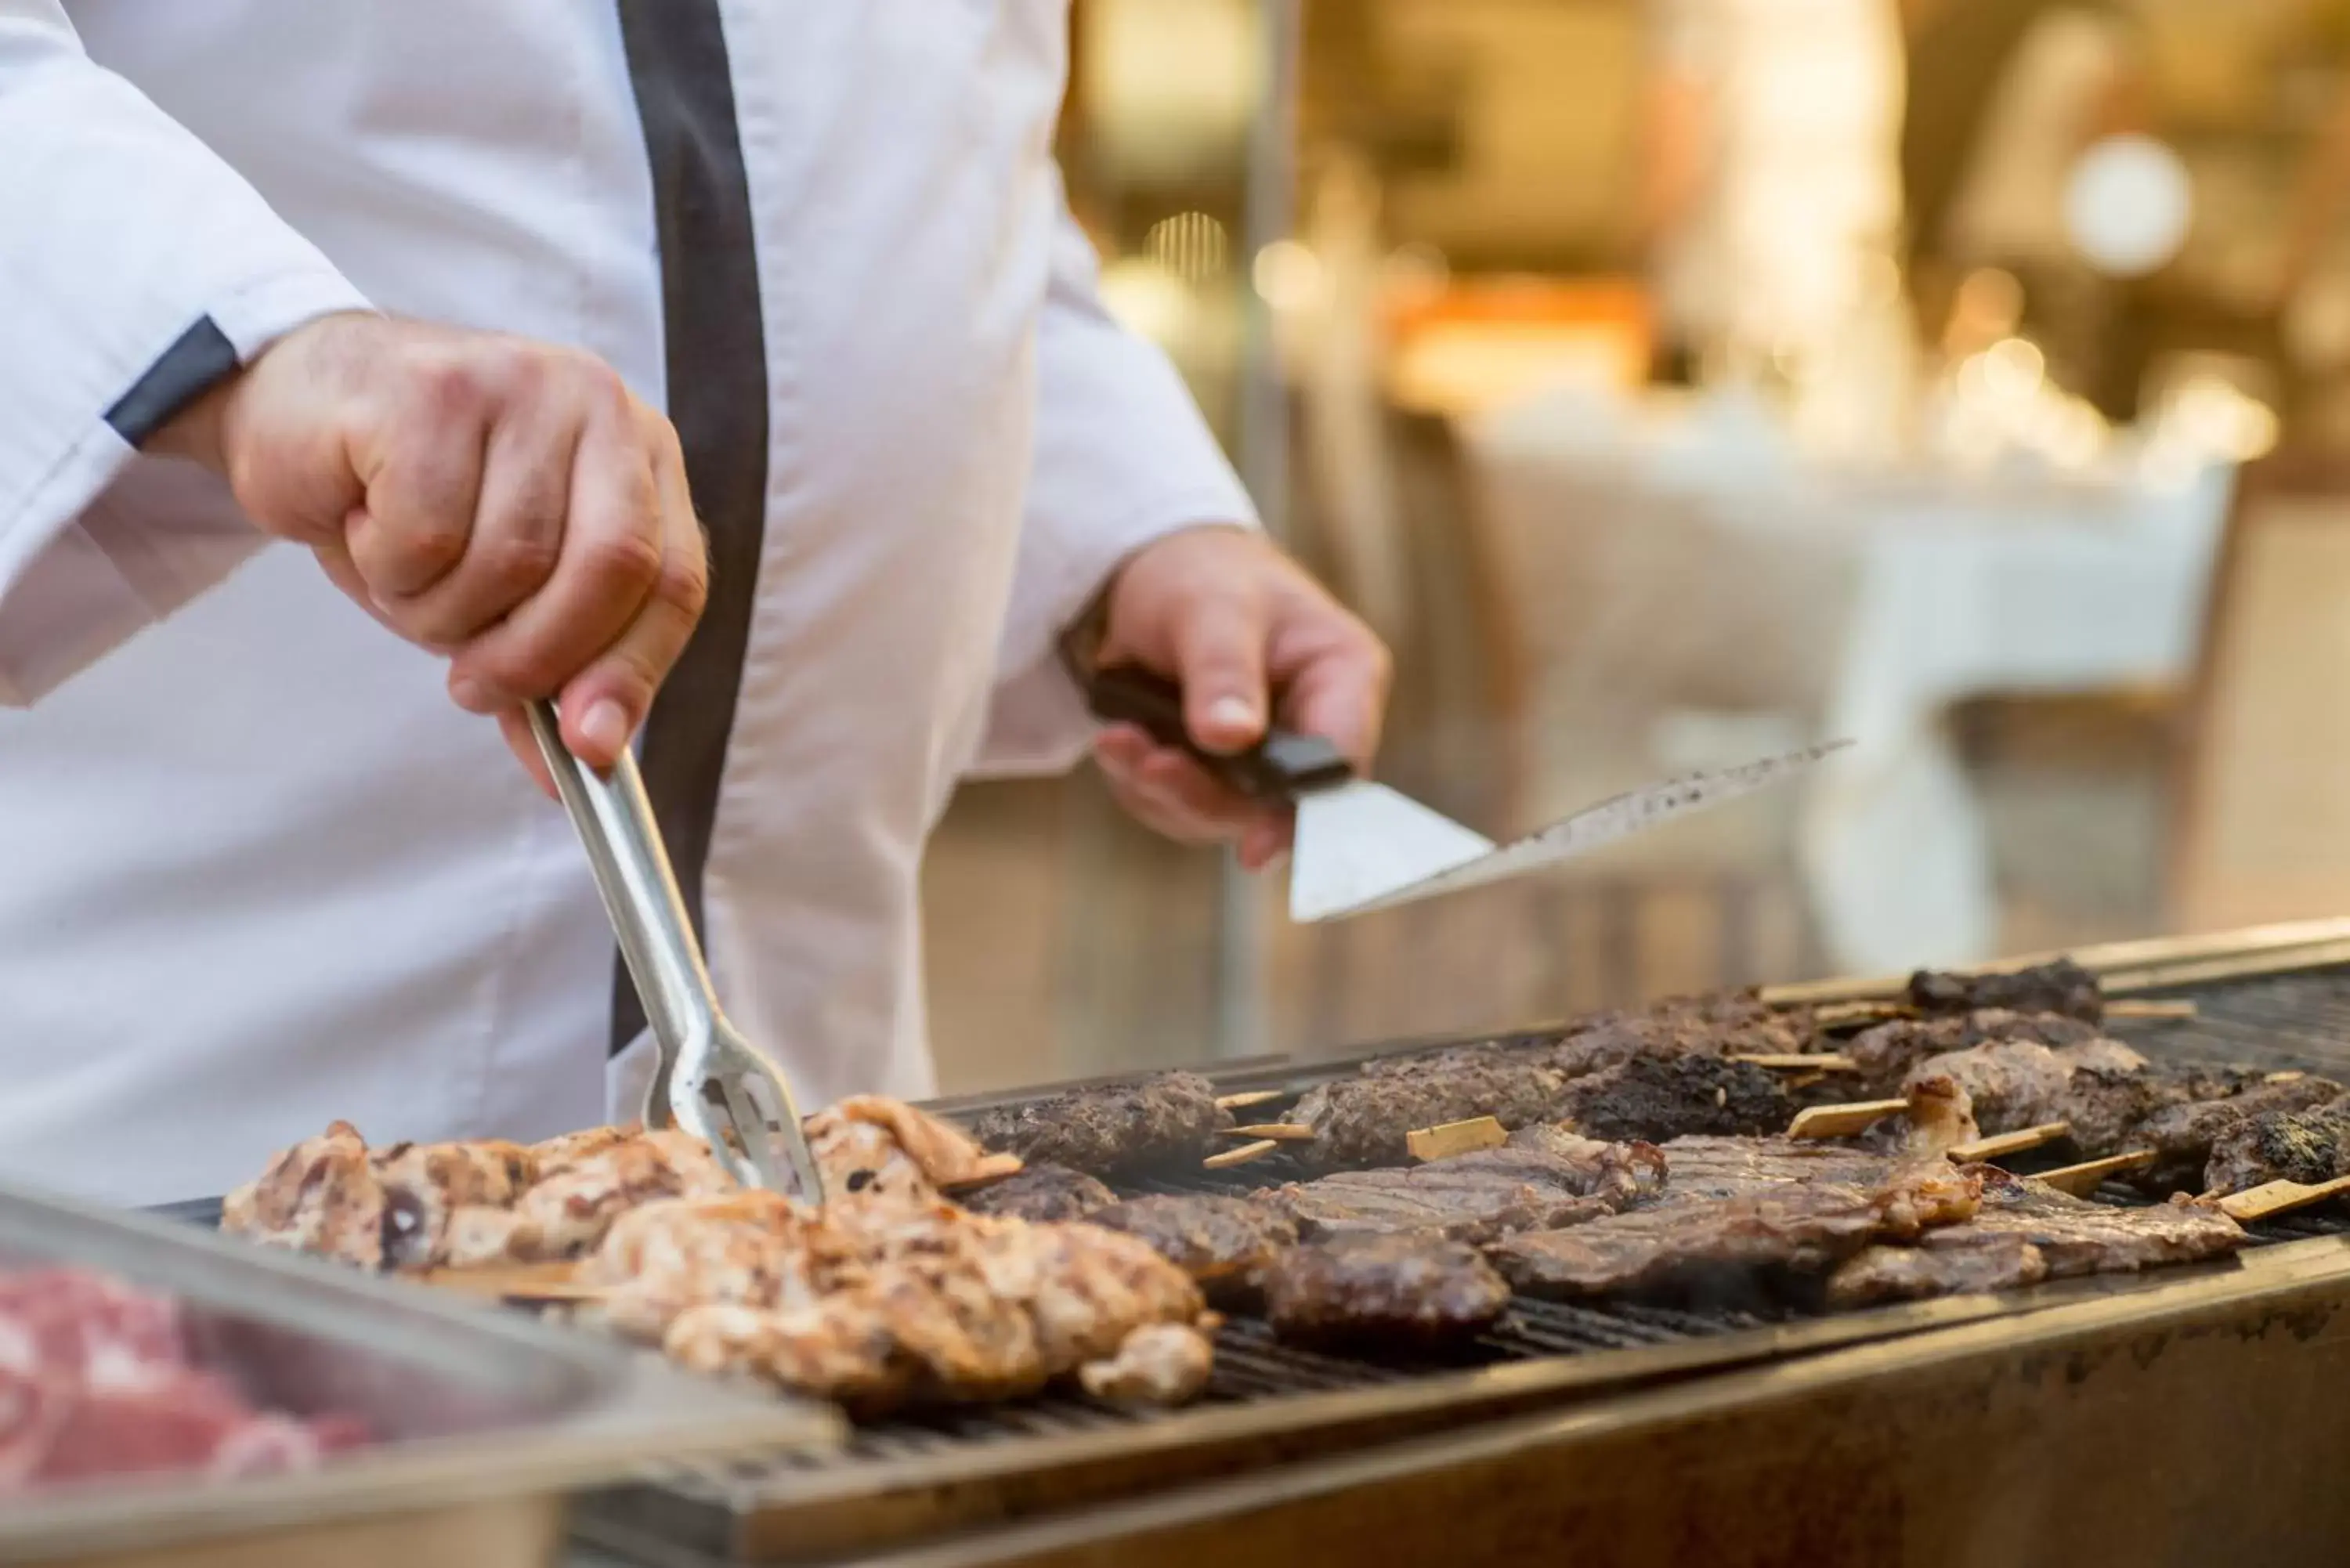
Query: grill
column 921, row 1477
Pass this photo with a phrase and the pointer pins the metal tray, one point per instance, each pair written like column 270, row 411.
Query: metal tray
column 482, row 1418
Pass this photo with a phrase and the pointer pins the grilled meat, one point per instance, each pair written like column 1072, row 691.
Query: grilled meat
column 1040, row 1192
column 1887, row 1051
column 1788, row 1227
column 1660, row 1097
column 1559, row 1178
column 321, row 1196
column 424, row 1184
column 1166, row 1118
column 1941, row 1117
column 2182, row 1135
column 2307, row 1145
column 1737, row 1025
column 1365, row 1120
column 2027, row 1231
column 2101, row 1086
column 1396, row 1292
column 748, row 1249
column 1716, row 1168
column 1160, row 1364
column 883, row 1147
column 1215, row 1239
column 566, row 1215
column 2063, row 987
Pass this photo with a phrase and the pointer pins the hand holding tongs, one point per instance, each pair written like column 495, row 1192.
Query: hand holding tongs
column 710, row 1080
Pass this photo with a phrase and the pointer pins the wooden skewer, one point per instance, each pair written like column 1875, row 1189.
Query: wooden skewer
column 1252, row 1098
column 2127, row 1008
column 1797, row 1062
column 2086, row 1177
column 2275, row 1197
column 1241, row 1155
column 1455, row 1138
column 1844, row 1120
column 2294, row 1076
column 1279, row 1132
column 2000, row 1145
column 1842, row 1015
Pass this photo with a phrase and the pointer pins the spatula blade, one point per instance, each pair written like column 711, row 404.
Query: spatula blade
column 1362, row 840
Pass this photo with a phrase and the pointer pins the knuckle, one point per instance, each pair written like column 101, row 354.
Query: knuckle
column 517, row 563
column 450, row 387
column 684, row 584
column 630, row 557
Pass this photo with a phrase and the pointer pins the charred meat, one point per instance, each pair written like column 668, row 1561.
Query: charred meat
column 1887, row 1051
column 1660, row 1097
column 2063, row 987
column 1562, row 1180
column 1365, row 1120
column 1698, row 1245
column 2182, row 1136
column 1395, row 1292
column 1117, row 1128
column 2307, row 1145
column 2027, row 1231
column 1217, row 1239
column 1040, row 1192
column 2101, row 1086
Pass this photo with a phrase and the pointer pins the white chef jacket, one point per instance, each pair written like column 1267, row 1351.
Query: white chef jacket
column 256, row 871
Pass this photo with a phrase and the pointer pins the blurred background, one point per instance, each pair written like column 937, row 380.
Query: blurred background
column 1673, row 382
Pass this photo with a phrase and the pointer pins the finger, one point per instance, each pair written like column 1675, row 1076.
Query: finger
column 517, row 539
column 1219, row 663
column 1341, row 694
column 611, row 557
column 607, row 702
column 424, row 487
column 1267, row 841
column 1212, row 809
column 522, row 741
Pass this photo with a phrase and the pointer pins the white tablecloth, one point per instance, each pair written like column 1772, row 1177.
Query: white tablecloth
column 1688, row 561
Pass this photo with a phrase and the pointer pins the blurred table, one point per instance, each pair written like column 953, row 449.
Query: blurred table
column 1670, row 559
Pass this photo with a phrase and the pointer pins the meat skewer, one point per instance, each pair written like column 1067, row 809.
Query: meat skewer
column 1167, row 1118
column 2062, row 987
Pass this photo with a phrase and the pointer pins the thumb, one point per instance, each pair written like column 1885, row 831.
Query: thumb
column 1219, row 663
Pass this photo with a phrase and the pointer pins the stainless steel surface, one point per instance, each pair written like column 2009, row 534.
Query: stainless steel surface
column 1361, row 847
column 477, row 1412
column 711, row 1081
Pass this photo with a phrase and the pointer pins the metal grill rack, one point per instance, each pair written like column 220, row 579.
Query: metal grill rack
column 922, row 1476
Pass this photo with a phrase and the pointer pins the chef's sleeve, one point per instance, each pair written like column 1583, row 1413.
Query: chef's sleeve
column 1121, row 456
column 136, row 270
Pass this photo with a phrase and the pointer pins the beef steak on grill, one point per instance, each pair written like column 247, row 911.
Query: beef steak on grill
column 1396, row 1292
column 1040, row 1193
column 1166, row 1118
column 1560, row 1179
column 1695, row 1243
column 1214, row 1238
column 2027, row 1231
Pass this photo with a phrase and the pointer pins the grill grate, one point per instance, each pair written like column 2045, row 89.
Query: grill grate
column 2274, row 1023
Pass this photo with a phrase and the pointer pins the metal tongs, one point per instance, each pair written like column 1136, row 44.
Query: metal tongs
column 711, row 1081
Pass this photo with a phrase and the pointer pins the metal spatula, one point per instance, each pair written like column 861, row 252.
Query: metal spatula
column 1362, row 846
column 711, row 1081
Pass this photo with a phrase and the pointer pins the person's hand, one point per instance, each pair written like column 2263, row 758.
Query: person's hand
column 505, row 502
column 1246, row 633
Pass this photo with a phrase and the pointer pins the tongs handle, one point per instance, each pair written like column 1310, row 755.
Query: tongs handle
column 1282, row 767
column 656, row 938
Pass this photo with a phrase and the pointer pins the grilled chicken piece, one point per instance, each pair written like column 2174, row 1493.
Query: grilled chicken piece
column 2027, row 1231
column 1660, row 1097
column 1220, row 1240
column 1887, row 1053
column 2307, row 1145
column 564, row 1215
column 1167, row 1118
column 867, row 1145
column 425, row 1183
column 1551, row 1178
column 323, row 1196
column 1697, row 1243
column 1160, row 1364
column 744, row 1249
column 888, row 1302
column 1409, row 1292
column 1040, row 1192
column 2063, row 987
column 2183, row 1134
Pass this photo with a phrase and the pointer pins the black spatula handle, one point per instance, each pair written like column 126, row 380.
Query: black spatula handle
column 1281, row 766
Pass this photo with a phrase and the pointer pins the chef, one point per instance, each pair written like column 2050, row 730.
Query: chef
column 460, row 312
